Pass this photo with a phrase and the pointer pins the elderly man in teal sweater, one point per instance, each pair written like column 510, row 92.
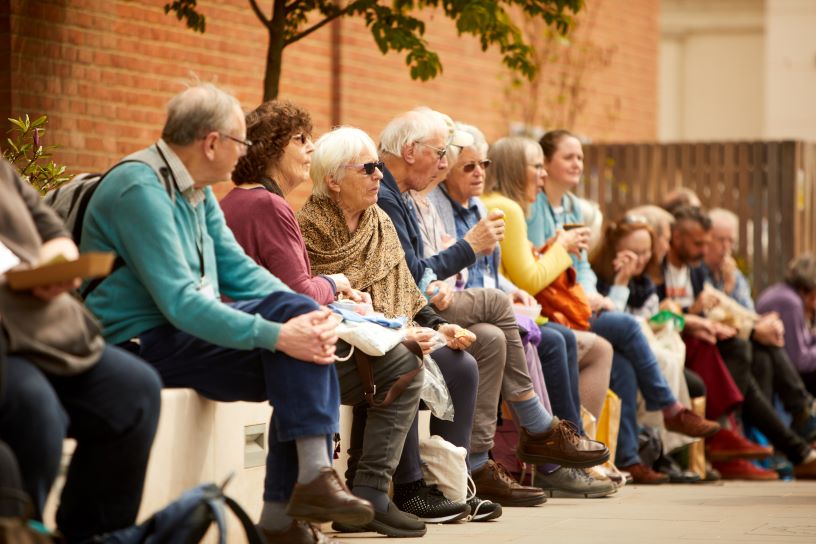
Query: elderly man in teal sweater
column 269, row 344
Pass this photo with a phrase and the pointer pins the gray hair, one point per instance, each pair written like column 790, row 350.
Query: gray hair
column 659, row 219
column 479, row 142
column 333, row 151
column 721, row 215
column 413, row 126
column 197, row 111
column 801, row 274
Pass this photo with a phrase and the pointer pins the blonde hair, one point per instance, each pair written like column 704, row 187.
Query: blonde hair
column 508, row 173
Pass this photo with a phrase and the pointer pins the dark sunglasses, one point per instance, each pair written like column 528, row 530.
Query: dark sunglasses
column 368, row 167
column 471, row 166
column 302, row 138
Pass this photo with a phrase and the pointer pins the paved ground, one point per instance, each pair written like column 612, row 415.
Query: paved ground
column 736, row 512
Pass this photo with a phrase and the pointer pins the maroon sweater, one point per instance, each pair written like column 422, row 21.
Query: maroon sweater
column 265, row 226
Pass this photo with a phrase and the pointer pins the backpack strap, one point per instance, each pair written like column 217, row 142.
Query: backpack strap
column 252, row 534
column 366, row 375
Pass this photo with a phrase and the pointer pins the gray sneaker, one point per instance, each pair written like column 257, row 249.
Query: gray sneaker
column 573, row 483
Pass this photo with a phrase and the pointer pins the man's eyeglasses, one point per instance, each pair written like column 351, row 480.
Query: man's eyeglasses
column 368, row 167
column 440, row 151
column 247, row 143
column 302, row 138
column 469, row 167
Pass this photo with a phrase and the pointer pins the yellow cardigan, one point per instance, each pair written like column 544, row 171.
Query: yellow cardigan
column 518, row 263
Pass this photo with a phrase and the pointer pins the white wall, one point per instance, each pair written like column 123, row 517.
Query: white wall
column 790, row 99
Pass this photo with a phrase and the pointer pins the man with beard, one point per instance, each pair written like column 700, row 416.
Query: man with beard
column 683, row 283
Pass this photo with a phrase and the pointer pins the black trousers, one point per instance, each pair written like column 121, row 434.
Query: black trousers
column 111, row 410
column 756, row 408
column 775, row 374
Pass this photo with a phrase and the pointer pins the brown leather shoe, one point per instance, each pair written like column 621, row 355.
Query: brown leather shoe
column 299, row 532
column 641, row 474
column 561, row 445
column 690, row 424
column 493, row 483
column 326, row 498
column 805, row 471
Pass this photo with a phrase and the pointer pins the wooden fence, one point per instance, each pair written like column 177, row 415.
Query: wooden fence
column 771, row 186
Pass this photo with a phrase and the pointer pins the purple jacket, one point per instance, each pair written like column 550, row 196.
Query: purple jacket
column 799, row 342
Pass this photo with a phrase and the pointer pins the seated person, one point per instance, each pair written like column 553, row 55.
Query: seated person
column 794, row 300
column 683, row 281
column 634, row 367
column 265, row 225
column 62, row 380
column 414, row 146
column 773, row 370
column 270, row 345
column 456, row 199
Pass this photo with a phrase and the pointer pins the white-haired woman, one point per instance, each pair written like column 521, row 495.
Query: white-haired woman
column 345, row 231
column 458, row 203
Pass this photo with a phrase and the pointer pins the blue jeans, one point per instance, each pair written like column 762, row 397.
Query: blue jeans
column 306, row 396
column 111, row 409
column 559, row 362
column 633, row 367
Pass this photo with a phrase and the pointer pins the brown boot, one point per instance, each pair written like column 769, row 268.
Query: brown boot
column 326, row 498
column 561, row 445
column 690, row 424
column 641, row 474
column 493, row 483
column 299, row 532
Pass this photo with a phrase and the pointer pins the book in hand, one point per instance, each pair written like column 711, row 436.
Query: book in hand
column 88, row 265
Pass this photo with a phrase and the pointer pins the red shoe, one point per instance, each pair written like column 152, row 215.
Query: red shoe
column 727, row 445
column 741, row 469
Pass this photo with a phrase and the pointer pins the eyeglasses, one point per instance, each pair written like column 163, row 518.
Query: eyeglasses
column 302, row 138
column 440, row 151
column 469, row 167
column 247, row 143
column 634, row 219
column 368, row 167
column 539, row 167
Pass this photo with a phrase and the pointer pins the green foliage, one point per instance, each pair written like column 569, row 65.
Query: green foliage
column 26, row 153
column 394, row 27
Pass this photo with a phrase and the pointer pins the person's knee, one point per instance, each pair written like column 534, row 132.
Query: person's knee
column 282, row 306
column 31, row 397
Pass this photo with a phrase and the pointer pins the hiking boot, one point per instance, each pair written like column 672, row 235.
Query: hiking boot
column 573, row 483
column 326, row 498
column 690, row 424
column 483, row 510
column 726, row 445
column 428, row 503
column 299, row 532
column 561, row 445
column 393, row 522
column 495, row 484
column 641, row 474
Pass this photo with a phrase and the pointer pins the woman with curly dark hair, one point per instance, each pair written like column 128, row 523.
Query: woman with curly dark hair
column 256, row 210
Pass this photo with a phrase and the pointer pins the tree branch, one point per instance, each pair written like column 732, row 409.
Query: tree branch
column 259, row 13
column 319, row 25
column 291, row 6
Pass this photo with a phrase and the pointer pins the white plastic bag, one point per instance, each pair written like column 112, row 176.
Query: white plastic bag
column 370, row 338
column 444, row 465
column 435, row 392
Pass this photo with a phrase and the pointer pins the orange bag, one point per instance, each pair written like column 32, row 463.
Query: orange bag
column 565, row 302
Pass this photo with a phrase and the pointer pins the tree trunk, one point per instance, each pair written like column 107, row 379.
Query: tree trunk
column 274, row 53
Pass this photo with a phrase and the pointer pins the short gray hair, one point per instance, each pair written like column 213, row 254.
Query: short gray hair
column 724, row 216
column 801, row 274
column 333, row 151
column 412, row 126
column 479, row 142
column 197, row 111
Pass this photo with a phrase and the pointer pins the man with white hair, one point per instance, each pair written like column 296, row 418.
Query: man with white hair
column 164, row 304
column 413, row 147
column 771, row 366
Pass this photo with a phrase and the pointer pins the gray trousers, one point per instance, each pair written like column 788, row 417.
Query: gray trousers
column 498, row 351
column 386, row 428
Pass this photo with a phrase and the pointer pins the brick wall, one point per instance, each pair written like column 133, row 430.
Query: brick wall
column 103, row 70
